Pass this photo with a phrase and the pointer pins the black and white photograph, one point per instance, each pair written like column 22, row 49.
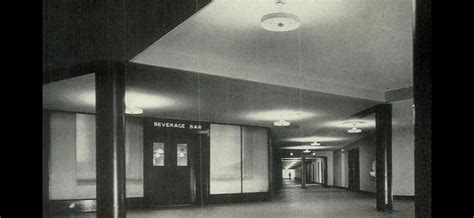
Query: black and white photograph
column 236, row 108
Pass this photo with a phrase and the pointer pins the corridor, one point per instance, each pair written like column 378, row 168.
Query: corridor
column 314, row 201
column 291, row 182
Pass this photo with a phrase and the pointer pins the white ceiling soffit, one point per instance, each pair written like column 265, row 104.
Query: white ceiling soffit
column 314, row 116
column 353, row 48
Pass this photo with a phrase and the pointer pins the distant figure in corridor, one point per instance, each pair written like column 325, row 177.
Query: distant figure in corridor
column 289, row 175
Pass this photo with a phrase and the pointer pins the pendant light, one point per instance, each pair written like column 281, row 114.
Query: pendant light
column 280, row 21
column 354, row 129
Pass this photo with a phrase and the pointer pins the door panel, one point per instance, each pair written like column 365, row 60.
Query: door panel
column 168, row 166
column 354, row 174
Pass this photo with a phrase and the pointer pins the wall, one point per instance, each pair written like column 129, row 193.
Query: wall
column 298, row 173
column 403, row 146
column 338, row 169
column 315, row 170
column 72, row 156
column 366, row 147
column 403, row 168
column 329, row 155
column 318, row 169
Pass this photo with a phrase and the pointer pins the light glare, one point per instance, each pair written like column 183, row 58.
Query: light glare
column 133, row 99
column 314, row 138
column 273, row 115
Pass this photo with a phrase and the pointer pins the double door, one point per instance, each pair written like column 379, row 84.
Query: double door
column 168, row 164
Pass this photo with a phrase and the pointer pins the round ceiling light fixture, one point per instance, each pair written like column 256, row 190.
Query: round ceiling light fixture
column 281, row 123
column 354, row 129
column 280, row 21
column 315, row 143
column 133, row 110
column 307, row 151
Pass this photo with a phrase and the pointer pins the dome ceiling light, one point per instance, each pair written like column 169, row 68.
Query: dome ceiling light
column 354, row 129
column 281, row 123
column 280, row 21
column 130, row 107
column 133, row 110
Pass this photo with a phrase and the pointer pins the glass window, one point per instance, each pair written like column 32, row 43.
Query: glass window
column 85, row 147
column 182, row 154
column 158, row 154
column 134, row 156
column 225, row 159
column 254, row 159
column 73, row 154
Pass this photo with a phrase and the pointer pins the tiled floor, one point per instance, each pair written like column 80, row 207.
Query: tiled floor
column 291, row 182
column 315, row 201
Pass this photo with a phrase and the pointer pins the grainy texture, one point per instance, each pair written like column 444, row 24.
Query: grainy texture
column 314, row 201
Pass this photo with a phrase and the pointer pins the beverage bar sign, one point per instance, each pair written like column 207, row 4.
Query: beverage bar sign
column 177, row 125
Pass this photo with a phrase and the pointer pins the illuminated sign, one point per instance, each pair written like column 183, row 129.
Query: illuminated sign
column 177, row 125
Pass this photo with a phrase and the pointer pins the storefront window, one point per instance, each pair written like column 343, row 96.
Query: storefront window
column 72, row 164
column 254, row 160
column 225, row 159
column 239, row 159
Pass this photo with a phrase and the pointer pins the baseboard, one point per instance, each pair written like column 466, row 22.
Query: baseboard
column 395, row 197
column 88, row 205
column 359, row 191
column 339, row 187
column 238, row 198
column 404, row 197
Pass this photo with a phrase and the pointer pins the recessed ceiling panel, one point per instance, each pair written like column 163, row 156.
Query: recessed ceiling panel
column 352, row 48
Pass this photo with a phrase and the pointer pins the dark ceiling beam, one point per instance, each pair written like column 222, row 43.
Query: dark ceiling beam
column 68, row 36
column 72, row 36
column 70, row 72
column 364, row 113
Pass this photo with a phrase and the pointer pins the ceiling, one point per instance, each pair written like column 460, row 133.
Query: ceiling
column 290, row 164
column 352, row 48
column 175, row 94
column 294, row 163
column 221, row 66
